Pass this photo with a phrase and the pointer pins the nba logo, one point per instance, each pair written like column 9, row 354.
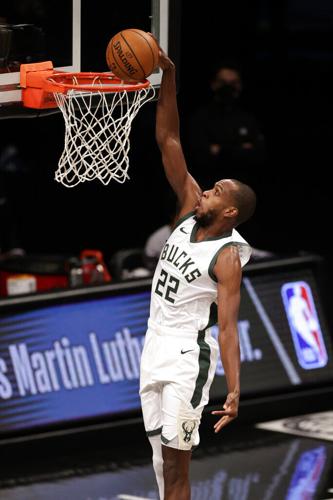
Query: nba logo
column 304, row 325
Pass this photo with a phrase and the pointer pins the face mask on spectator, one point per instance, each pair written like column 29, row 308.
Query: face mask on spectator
column 227, row 94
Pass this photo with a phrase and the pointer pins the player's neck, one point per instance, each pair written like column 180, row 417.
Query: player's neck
column 213, row 231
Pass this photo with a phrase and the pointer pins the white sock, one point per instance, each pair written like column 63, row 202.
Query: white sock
column 156, row 445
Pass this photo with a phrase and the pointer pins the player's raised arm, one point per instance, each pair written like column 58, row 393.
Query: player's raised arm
column 168, row 139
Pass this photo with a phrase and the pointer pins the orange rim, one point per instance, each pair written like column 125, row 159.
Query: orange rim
column 107, row 82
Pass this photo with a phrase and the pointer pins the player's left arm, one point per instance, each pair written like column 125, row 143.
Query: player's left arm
column 228, row 272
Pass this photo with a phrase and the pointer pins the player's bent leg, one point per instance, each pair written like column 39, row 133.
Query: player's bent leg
column 176, row 465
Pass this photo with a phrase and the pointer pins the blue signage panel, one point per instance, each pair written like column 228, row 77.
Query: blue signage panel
column 71, row 361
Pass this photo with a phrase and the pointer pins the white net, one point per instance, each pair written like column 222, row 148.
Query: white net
column 97, row 130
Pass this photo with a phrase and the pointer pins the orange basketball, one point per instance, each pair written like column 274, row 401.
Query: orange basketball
column 132, row 54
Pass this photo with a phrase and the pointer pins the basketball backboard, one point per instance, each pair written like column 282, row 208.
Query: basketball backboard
column 73, row 34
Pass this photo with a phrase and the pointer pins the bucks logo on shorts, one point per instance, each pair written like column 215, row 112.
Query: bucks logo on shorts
column 188, row 427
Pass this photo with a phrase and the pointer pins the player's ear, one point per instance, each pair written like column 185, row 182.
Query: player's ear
column 231, row 212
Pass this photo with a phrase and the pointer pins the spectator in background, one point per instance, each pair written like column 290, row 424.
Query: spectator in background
column 154, row 245
column 222, row 137
column 156, row 241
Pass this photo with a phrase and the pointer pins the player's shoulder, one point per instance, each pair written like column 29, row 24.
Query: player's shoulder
column 229, row 255
column 228, row 265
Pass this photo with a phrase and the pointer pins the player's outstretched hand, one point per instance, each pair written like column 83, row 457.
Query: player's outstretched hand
column 164, row 61
column 229, row 412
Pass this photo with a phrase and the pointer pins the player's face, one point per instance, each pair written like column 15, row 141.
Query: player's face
column 214, row 201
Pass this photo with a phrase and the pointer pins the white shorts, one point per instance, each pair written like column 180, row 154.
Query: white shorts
column 177, row 370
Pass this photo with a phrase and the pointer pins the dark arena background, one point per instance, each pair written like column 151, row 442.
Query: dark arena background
column 75, row 284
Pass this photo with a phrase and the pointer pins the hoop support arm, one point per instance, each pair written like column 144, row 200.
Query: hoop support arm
column 32, row 78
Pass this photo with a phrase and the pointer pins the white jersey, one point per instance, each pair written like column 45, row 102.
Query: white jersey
column 184, row 288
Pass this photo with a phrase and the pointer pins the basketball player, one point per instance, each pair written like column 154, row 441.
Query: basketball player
column 196, row 282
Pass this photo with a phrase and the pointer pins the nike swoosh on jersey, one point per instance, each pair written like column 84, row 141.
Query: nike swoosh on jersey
column 182, row 230
column 184, row 352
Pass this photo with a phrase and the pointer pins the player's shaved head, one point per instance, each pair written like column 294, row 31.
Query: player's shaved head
column 245, row 200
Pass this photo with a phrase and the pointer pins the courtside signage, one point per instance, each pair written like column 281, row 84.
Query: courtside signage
column 61, row 363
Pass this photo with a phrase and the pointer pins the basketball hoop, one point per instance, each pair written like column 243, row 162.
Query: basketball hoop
column 98, row 109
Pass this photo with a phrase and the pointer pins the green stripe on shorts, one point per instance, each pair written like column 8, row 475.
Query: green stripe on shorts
column 204, row 364
column 155, row 432
column 204, row 357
